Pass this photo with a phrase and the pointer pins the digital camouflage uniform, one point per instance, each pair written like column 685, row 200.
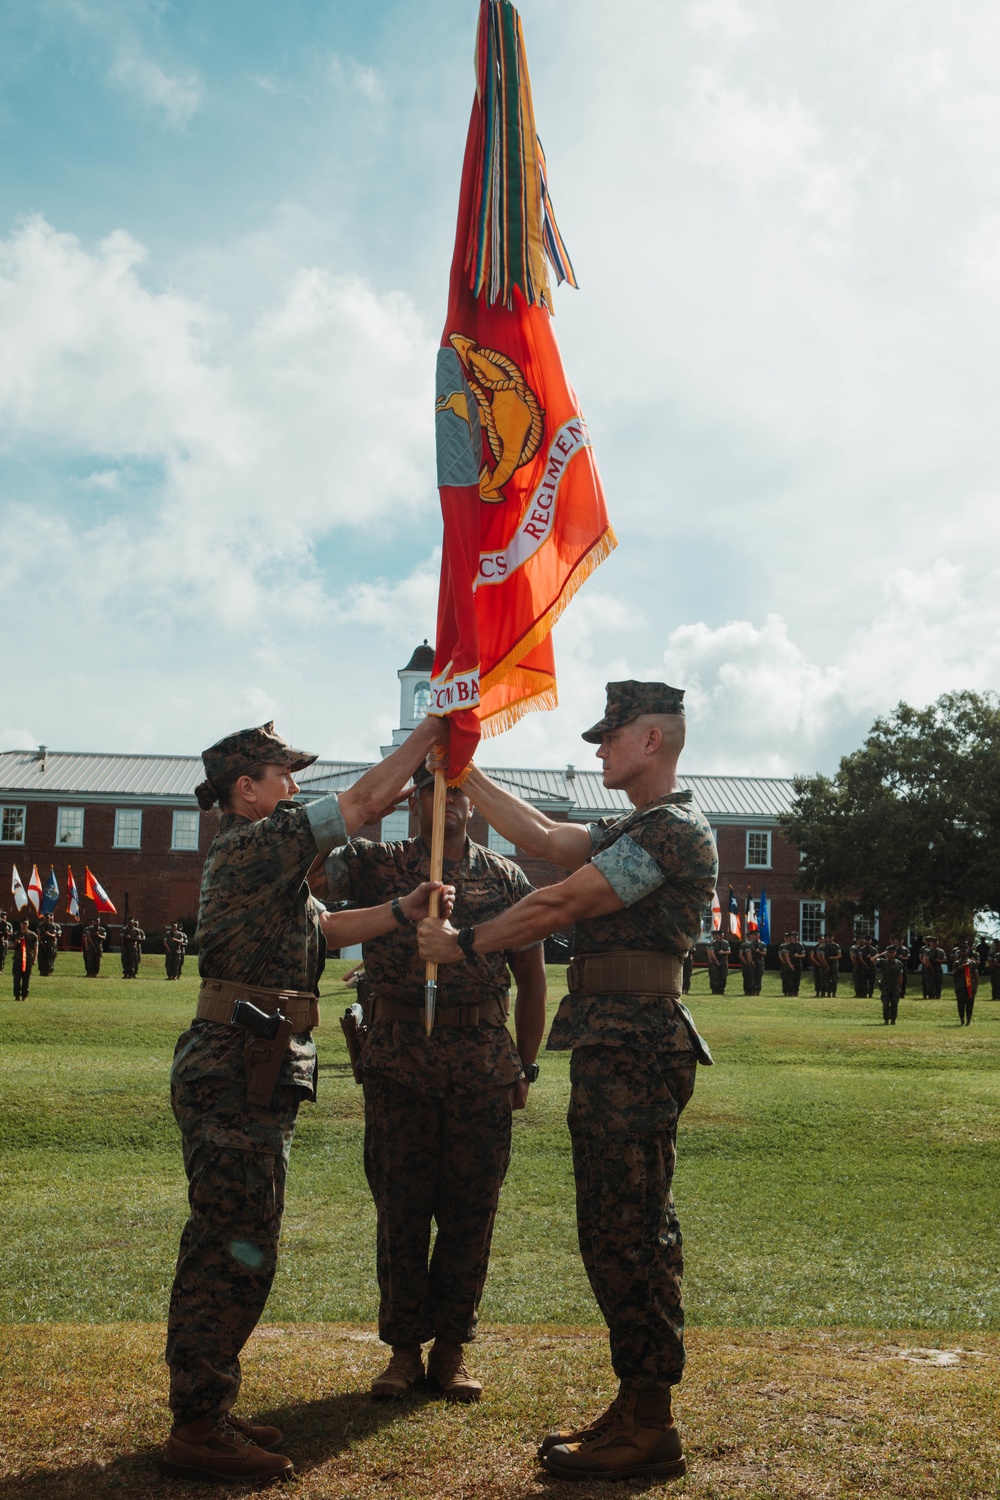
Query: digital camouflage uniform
column 49, row 933
column 257, row 924
column 890, row 971
column 133, row 938
column 175, row 944
column 94, row 936
column 25, row 951
column 932, row 961
column 6, row 934
column 438, row 1108
column 752, row 955
column 632, row 1073
column 718, row 964
column 965, row 976
column 831, row 950
column 993, row 969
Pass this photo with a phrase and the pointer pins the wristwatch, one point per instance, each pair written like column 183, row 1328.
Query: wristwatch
column 530, row 1072
column 465, row 939
column 399, row 913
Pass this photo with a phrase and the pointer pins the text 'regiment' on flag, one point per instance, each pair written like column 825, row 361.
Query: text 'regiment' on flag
column 525, row 520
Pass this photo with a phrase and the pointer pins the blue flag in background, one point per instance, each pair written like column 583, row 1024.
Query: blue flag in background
column 763, row 921
column 50, row 900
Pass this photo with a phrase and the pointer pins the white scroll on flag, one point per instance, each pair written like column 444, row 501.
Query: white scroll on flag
column 17, row 891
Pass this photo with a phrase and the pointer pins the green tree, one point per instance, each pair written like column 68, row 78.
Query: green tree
column 910, row 824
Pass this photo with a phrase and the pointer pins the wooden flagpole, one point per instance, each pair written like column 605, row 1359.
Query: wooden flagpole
column 434, row 906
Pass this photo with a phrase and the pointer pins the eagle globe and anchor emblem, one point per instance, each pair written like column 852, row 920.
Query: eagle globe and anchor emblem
column 483, row 389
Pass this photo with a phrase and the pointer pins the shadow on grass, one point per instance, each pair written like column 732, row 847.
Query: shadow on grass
column 315, row 1431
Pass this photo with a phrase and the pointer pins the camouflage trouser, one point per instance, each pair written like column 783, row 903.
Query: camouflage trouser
column 623, row 1112
column 235, row 1157
column 443, row 1159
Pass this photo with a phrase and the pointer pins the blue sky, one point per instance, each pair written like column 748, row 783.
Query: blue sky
column 224, row 239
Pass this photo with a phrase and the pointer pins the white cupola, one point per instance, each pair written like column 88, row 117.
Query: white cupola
column 414, row 694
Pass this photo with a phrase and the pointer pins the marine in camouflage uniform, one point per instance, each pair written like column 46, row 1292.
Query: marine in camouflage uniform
column 639, row 887
column 438, row 1108
column 49, row 933
column 748, row 966
column 858, row 973
column 831, row 952
column 25, row 952
column 965, row 975
column 94, row 937
column 817, row 959
column 259, row 938
column 890, row 972
column 133, row 938
column 6, row 934
column 718, row 964
column 993, row 969
column 175, row 943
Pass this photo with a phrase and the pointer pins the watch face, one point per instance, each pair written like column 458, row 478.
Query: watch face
column 531, row 1072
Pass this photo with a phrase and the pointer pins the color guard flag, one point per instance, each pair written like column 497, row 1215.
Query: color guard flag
column 17, row 890
column 94, row 891
column 734, row 914
column 749, row 915
column 35, row 889
column 525, row 522
column 765, row 924
column 51, row 898
column 72, row 895
column 716, row 913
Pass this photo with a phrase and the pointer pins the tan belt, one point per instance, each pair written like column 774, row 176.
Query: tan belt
column 493, row 1012
column 628, row 971
column 217, row 999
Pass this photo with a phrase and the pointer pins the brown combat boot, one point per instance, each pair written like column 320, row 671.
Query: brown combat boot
column 401, row 1375
column 215, row 1449
column 259, row 1433
column 446, row 1373
column 640, row 1440
column 579, row 1434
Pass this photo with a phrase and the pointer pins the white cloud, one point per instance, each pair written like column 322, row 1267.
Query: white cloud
column 358, row 77
column 175, row 95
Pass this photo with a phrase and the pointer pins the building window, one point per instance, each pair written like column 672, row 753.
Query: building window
column 396, row 826
column 812, row 921
column 12, row 825
column 128, row 828
column 500, row 845
column 421, row 701
column 865, row 927
column 758, row 849
column 187, row 827
column 69, row 826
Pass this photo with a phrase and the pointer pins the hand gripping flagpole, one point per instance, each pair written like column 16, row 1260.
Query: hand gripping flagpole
column 434, row 905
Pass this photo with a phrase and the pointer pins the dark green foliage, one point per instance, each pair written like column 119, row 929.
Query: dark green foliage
column 910, row 824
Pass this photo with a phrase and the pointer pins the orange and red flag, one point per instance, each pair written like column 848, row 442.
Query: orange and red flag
column 525, row 521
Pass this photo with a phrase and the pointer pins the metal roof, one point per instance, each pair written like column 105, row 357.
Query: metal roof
column 581, row 793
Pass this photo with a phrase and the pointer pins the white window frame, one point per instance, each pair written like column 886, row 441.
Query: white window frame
column 128, row 812
column 497, row 844
column 758, row 833
column 860, row 917
column 67, row 843
column 395, row 826
column 185, row 812
column 421, row 689
column 802, row 921
column 13, row 807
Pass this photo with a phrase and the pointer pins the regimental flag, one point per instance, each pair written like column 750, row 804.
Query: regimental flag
column 716, row 913
column 734, row 915
column 525, row 521
column 749, row 915
column 72, row 895
column 94, row 891
column 51, row 898
column 35, row 889
column 764, row 921
column 17, row 890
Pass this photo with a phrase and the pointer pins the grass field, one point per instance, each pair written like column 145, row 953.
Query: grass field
column 836, row 1184
column 831, row 1171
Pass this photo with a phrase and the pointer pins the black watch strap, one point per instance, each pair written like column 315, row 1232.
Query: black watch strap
column 465, row 939
column 530, row 1072
column 399, row 913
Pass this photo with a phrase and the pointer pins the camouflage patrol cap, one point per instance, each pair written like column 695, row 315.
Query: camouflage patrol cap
column 235, row 754
column 422, row 777
column 627, row 700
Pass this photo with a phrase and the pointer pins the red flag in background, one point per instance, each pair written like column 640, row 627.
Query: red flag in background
column 94, row 891
column 525, row 521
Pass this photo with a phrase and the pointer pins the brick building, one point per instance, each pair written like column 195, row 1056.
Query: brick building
column 134, row 820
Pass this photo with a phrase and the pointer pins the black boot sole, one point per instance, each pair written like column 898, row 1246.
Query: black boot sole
column 673, row 1469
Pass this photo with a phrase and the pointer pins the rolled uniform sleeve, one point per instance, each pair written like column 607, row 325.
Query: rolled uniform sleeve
column 630, row 870
column 327, row 823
